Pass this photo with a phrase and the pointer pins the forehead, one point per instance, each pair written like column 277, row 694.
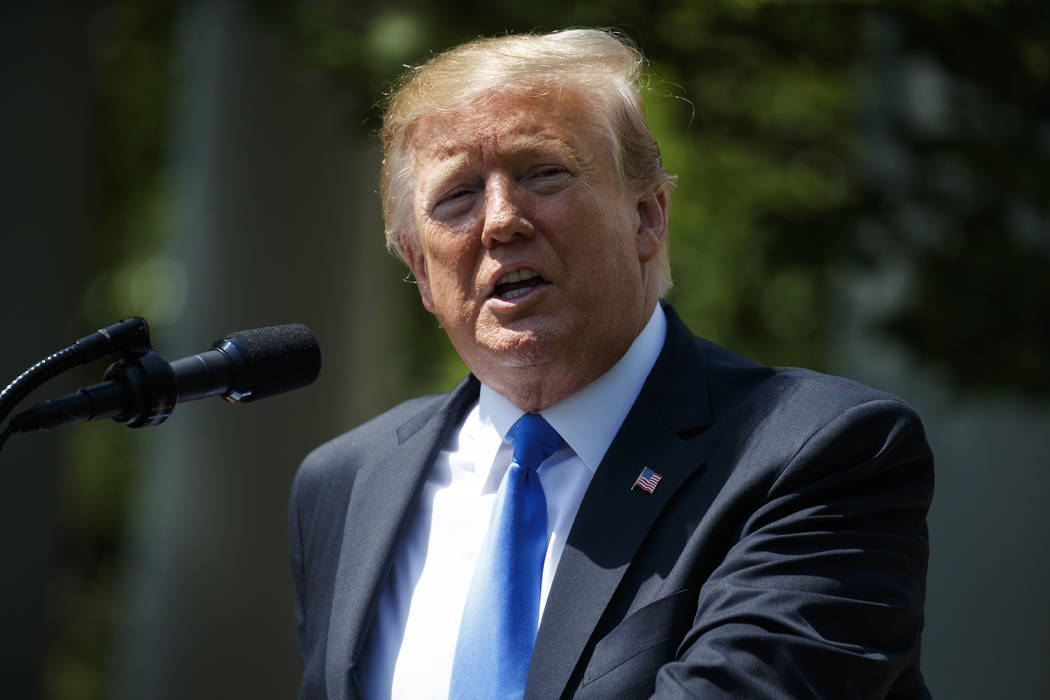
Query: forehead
column 508, row 123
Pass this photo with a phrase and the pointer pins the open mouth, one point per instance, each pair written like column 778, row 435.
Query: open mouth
column 517, row 283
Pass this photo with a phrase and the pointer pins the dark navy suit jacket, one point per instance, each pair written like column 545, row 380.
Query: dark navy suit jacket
column 782, row 554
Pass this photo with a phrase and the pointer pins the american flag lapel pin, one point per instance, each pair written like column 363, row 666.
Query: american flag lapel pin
column 648, row 480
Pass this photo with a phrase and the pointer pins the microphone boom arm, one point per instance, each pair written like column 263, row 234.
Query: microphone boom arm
column 132, row 331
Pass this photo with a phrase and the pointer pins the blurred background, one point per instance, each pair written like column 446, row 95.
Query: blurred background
column 864, row 188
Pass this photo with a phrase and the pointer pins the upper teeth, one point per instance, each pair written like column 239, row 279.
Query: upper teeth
column 517, row 276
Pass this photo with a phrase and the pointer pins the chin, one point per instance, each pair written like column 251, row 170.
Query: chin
column 518, row 348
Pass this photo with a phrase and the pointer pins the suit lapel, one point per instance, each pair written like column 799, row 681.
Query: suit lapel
column 383, row 496
column 614, row 519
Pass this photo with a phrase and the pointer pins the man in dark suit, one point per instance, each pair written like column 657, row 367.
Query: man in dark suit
column 711, row 527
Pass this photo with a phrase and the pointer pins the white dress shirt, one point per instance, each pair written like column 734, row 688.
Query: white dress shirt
column 410, row 650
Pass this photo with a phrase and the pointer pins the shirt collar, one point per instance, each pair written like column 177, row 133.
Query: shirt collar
column 589, row 419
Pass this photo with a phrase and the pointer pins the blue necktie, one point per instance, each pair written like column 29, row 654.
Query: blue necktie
column 498, row 628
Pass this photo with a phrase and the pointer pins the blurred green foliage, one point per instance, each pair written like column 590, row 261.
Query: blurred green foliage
column 958, row 184
column 810, row 138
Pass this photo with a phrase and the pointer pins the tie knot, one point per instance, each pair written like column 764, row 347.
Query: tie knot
column 534, row 440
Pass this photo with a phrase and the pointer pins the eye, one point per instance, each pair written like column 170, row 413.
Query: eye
column 458, row 201
column 458, row 194
column 548, row 171
column 548, row 178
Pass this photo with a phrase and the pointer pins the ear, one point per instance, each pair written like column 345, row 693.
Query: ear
column 417, row 264
column 652, row 224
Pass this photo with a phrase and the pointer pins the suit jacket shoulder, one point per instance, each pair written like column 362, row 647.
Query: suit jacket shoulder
column 334, row 461
column 323, row 484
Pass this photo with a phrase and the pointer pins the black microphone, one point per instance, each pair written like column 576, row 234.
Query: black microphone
column 142, row 389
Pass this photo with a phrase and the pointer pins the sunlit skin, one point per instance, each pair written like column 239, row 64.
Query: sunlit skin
column 517, row 182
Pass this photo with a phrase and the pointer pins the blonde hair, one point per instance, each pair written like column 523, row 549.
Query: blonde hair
column 605, row 67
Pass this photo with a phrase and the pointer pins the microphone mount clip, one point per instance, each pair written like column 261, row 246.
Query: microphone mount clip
column 137, row 390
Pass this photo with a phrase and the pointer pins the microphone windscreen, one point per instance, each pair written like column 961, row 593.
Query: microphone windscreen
column 278, row 358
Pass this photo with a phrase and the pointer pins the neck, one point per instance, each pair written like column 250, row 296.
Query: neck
column 535, row 386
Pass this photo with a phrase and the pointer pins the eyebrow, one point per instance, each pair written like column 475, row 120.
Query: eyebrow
column 448, row 159
column 527, row 144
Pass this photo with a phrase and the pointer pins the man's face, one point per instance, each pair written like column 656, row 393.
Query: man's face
column 530, row 250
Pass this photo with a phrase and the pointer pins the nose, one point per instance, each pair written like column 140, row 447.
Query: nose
column 505, row 215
